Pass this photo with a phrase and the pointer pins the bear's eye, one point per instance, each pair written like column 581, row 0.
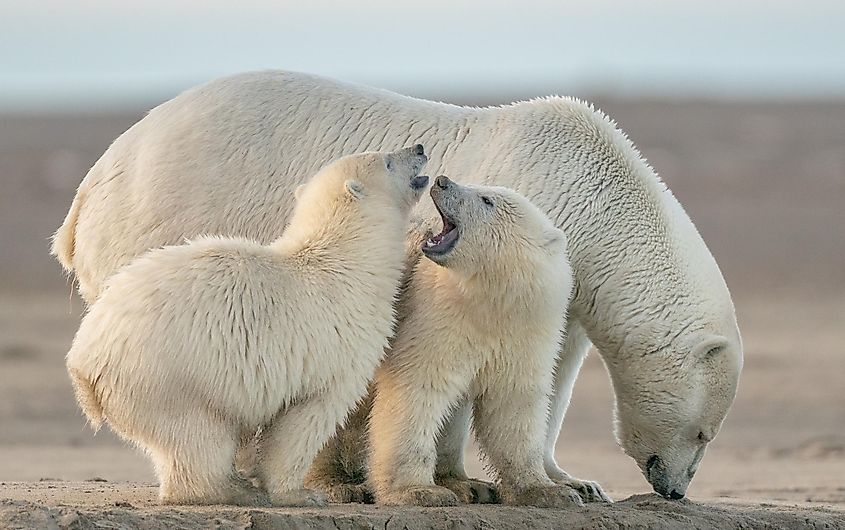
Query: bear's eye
column 712, row 352
column 487, row 201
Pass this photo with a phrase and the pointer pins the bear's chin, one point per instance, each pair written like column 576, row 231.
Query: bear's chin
column 439, row 259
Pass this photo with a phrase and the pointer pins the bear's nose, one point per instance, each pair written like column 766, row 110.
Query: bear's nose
column 674, row 495
column 442, row 182
column 418, row 149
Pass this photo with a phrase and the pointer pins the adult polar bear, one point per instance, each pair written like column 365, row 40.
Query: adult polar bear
column 225, row 158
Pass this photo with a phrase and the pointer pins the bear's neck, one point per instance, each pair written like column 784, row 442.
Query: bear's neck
column 364, row 249
column 497, row 287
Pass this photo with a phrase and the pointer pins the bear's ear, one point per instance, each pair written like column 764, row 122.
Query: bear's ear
column 553, row 240
column 354, row 188
column 298, row 193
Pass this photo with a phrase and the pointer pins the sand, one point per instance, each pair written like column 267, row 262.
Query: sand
column 765, row 184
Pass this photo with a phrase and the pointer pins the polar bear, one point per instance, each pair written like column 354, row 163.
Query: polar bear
column 648, row 293
column 481, row 323
column 190, row 348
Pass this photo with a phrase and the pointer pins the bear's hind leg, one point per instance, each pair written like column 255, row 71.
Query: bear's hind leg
column 290, row 443
column 340, row 469
column 197, row 467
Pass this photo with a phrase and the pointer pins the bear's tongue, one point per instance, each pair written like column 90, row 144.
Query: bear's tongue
column 445, row 237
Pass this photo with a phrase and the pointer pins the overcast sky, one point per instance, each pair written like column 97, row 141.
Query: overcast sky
column 63, row 53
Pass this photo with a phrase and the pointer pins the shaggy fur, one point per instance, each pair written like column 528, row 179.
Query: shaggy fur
column 191, row 348
column 483, row 326
column 224, row 157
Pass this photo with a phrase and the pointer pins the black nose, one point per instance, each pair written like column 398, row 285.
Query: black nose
column 442, row 182
column 674, row 495
column 418, row 149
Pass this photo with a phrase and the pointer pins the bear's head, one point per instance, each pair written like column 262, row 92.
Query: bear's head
column 486, row 226
column 385, row 180
column 670, row 408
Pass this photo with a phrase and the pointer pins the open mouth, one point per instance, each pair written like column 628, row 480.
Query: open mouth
column 442, row 243
column 419, row 182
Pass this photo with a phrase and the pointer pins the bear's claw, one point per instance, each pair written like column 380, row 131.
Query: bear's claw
column 555, row 496
column 588, row 490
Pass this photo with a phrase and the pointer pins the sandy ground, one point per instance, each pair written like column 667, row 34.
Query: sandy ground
column 102, row 505
column 764, row 183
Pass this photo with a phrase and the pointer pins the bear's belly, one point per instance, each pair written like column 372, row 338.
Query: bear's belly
column 256, row 395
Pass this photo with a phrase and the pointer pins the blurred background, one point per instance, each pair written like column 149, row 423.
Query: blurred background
column 740, row 106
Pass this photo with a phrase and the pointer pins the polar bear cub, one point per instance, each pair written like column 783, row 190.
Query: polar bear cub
column 481, row 322
column 192, row 348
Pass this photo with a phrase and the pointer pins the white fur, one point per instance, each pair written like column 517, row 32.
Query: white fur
column 224, row 158
column 484, row 328
column 191, row 347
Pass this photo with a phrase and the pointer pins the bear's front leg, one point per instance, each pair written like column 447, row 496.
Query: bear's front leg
column 510, row 423
column 449, row 471
column 288, row 446
column 568, row 365
column 407, row 411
